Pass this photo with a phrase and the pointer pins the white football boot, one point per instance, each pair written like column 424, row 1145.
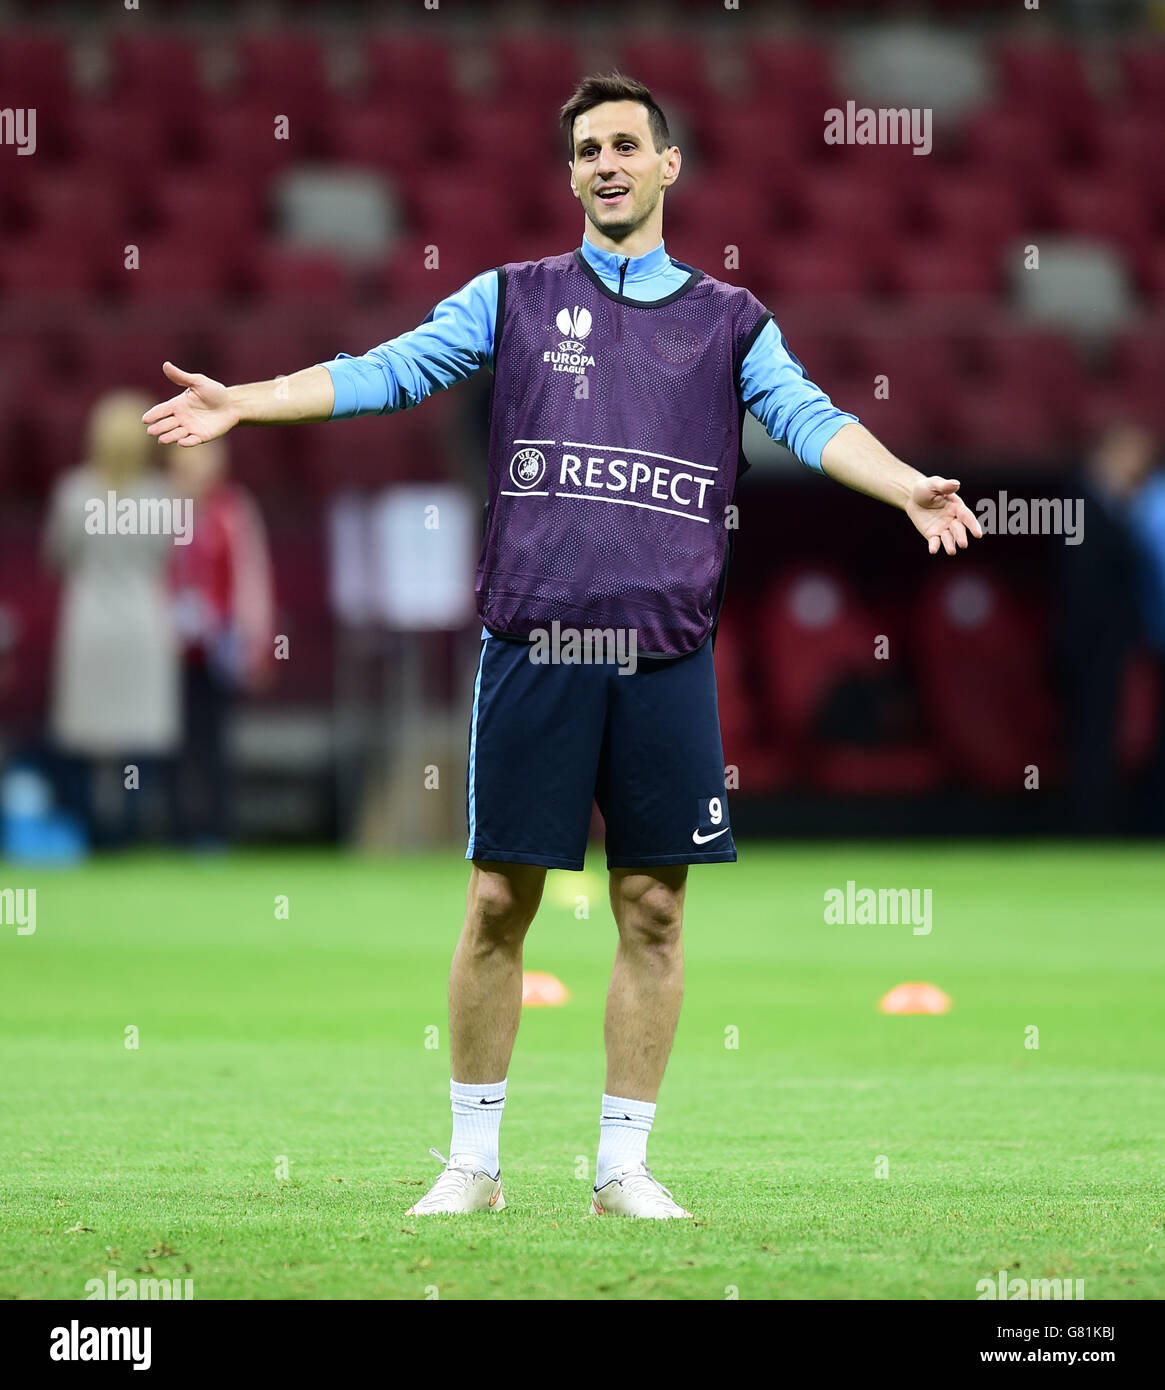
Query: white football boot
column 634, row 1192
column 459, row 1189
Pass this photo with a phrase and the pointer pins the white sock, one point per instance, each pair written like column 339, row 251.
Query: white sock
column 477, row 1121
column 623, row 1131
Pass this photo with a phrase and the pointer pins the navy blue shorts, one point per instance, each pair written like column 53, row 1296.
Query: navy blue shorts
column 547, row 741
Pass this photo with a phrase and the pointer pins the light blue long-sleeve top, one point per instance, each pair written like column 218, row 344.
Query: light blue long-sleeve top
column 457, row 338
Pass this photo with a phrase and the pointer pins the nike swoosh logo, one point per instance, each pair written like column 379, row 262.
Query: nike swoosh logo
column 483, row 1101
column 699, row 839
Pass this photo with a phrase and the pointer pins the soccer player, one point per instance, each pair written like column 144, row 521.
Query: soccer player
column 620, row 379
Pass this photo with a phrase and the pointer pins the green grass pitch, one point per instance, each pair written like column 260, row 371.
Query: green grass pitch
column 304, row 1040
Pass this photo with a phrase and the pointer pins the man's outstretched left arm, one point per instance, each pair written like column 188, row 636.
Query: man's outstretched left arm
column 776, row 389
column 853, row 456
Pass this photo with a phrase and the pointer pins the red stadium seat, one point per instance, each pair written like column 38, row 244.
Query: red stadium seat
column 370, row 452
column 287, row 71
column 157, row 70
column 1102, row 207
column 273, row 463
column 49, row 273
column 904, row 770
column 410, row 68
column 60, row 202
column 819, row 269
column 379, row 133
column 173, row 272
column 905, row 420
column 1047, row 76
column 758, row 139
column 850, row 204
column 966, row 203
column 738, row 208
column 209, row 205
column 483, row 132
column 443, row 211
column 1006, row 420
column 1143, row 67
column 816, row 641
column 1011, row 142
column 945, row 270
column 541, row 67
column 980, row 664
column 408, row 273
column 128, row 351
column 35, row 70
column 1113, row 400
column 749, row 746
column 796, row 73
column 810, row 631
column 917, row 361
column 133, row 141
column 56, row 424
column 239, row 137
column 1132, row 388
column 1138, row 354
column 1047, row 361
column 299, row 279
column 221, row 213
column 1125, row 145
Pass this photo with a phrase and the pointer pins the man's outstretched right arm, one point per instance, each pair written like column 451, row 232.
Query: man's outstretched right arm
column 206, row 408
column 451, row 344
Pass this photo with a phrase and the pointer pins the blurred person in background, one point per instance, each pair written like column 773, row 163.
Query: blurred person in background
column 224, row 613
column 115, row 675
column 9, row 641
column 1149, row 522
column 1101, row 625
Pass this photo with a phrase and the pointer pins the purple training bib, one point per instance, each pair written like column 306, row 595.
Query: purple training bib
column 615, row 448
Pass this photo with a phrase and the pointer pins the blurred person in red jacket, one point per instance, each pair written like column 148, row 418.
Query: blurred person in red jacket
column 224, row 615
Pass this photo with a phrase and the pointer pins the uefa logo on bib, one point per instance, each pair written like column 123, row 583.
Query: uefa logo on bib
column 573, row 327
column 572, row 355
column 528, row 468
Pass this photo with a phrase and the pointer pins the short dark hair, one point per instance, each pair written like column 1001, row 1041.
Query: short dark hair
column 613, row 86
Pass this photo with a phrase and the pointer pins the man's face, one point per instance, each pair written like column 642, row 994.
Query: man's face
column 617, row 172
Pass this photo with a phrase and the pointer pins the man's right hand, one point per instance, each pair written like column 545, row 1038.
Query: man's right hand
column 202, row 412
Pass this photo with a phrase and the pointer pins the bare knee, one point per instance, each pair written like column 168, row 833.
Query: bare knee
column 501, row 904
column 649, row 911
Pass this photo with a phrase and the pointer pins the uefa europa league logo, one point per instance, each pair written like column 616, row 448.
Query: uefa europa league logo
column 573, row 327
